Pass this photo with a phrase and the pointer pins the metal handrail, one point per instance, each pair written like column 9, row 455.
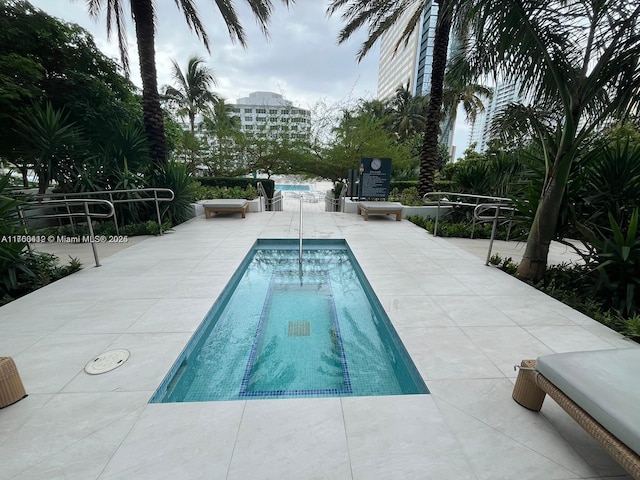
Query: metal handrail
column 68, row 204
column 276, row 201
column 449, row 199
column 495, row 218
column 300, row 232
column 262, row 193
column 330, row 202
column 159, row 195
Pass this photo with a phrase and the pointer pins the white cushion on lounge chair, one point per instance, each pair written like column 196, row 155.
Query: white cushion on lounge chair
column 381, row 206
column 225, row 203
column 604, row 383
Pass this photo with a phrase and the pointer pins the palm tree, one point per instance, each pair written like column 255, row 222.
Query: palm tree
column 192, row 95
column 580, row 59
column 143, row 13
column 407, row 113
column 380, row 17
column 458, row 89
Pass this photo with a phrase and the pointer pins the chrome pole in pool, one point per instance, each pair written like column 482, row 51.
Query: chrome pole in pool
column 300, row 230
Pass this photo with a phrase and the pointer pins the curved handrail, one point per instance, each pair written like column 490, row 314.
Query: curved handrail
column 86, row 212
column 451, row 199
column 154, row 190
column 495, row 217
column 70, row 203
column 156, row 195
column 444, row 197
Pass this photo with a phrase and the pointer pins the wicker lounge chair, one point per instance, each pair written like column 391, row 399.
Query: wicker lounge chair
column 380, row 208
column 11, row 388
column 225, row 205
column 600, row 390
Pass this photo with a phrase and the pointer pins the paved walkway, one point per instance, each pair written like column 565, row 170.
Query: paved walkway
column 464, row 324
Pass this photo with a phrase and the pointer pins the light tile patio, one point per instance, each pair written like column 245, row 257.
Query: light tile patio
column 464, row 325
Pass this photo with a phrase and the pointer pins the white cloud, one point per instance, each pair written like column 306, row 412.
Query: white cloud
column 300, row 59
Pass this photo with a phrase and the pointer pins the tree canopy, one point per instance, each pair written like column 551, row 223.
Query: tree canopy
column 579, row 60
column 43, row 59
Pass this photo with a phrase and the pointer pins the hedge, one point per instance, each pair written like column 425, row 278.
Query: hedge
column 242, row 182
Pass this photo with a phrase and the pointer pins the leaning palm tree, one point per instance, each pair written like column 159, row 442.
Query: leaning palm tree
column 380, row 16
column 143, row 13
column 579, row 58
column 192, row 95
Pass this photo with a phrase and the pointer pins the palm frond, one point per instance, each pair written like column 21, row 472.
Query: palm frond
column 193, row 20
column 378, row 15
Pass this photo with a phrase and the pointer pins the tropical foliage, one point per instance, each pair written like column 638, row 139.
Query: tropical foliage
column 192, row 95
column 380, row 17
column 50, row 66
column 580, row 63
column 143, row 13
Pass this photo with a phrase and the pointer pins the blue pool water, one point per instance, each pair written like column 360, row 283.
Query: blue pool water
column 282, row 330
column 292, row 187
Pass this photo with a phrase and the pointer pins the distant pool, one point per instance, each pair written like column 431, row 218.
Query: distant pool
column 291, row 187
column 282, row 330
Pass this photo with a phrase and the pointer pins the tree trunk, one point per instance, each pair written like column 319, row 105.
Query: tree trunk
column 429, row 150
column 25, row 176
column 534, row 262
column 142, row 11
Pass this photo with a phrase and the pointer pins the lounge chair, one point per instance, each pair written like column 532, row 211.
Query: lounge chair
column 11, row 388
column 225, row 205
column 599, row 389
column 380, row 208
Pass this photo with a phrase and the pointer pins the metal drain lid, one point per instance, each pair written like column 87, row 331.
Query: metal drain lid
column 107, row 361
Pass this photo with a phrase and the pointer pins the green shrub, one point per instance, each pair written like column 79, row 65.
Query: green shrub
column 402, row 184
column 41, row 269
column 242, row 182
column 205, row 193
column 459, row 229
column 409, row 196
column 149, row 227
column 176, row 176
column 616, row 257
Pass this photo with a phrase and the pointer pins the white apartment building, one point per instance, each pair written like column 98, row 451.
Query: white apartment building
column 504, row 93
column 270, row 115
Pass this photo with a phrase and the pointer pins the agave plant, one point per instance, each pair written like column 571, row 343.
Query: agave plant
column 616, row 257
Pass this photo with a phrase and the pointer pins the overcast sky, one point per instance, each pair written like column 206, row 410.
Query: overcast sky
column 301, row 59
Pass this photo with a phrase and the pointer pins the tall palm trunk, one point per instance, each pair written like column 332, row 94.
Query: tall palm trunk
column 429, row 151
column 142, row 11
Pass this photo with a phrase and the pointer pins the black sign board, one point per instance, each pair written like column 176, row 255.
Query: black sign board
column 375, row 175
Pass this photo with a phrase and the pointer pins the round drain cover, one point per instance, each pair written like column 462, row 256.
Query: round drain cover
column 107, row 361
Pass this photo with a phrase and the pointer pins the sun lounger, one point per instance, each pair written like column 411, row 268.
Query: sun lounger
column 225, row 205
column 599, row 389
column 380, row 208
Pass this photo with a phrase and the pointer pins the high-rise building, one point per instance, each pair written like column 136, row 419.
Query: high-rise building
column 397, row 66
column 412, row 62
column 270, row 115
column 425, row 53
column 504, row 93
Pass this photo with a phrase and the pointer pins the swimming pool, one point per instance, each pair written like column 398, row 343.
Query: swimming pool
column 281, row 329
column 293, row 187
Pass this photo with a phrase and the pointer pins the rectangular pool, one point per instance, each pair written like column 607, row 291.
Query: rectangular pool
column 281, row 329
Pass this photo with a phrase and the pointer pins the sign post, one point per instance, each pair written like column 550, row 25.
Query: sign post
column 375, row 177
